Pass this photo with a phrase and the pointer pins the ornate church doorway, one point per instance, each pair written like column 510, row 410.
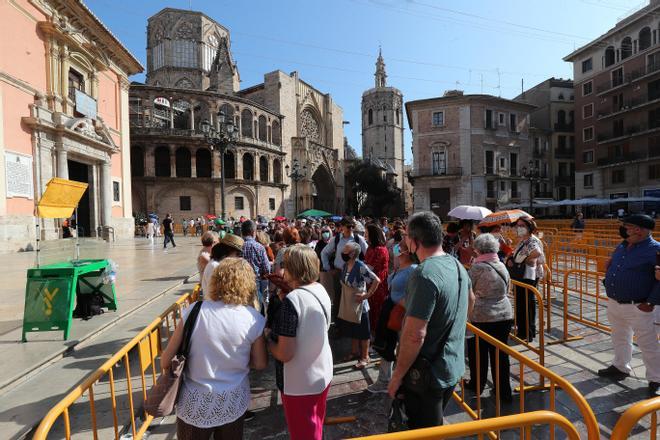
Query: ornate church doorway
column 324, row 190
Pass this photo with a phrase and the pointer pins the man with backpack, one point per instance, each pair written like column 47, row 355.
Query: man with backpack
column 331, row 257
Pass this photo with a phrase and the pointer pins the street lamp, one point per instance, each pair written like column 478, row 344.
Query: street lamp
column 220, row 138
column 296, row 175
column 532, row 174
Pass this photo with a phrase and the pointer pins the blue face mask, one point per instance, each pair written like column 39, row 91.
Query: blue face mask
column 396, row 250
column 325, row 235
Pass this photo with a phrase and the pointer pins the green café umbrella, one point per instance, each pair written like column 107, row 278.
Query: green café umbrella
column 219, row 221
column 314, row 213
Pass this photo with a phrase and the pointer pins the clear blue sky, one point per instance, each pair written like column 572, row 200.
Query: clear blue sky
column 429, row 46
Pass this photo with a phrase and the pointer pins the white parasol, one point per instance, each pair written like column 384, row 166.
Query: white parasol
column 467, row 212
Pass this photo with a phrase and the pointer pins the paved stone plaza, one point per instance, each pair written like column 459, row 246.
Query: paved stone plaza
column 35, row 375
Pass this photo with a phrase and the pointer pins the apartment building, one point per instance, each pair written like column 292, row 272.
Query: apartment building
column 617, row 104
column 552, row 133
column 468, row 149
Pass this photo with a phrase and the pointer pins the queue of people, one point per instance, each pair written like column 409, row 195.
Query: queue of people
column 397, row 291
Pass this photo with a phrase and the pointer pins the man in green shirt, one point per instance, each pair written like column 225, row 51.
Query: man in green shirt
column 438, row 296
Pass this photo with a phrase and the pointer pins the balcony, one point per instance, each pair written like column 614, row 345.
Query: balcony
column 627, row 105
column 643, row 71
column 564, row 180
column 543, row 194
column 564, row 126
column 628, row 157
column 434, row 172
column 631, row 130
column 564, row 153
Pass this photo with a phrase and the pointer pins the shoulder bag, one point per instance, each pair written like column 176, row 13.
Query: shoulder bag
column 516, row 270
column 162, row 396
column 419, row 377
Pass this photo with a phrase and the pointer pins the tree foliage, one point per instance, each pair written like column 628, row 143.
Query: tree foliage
column 372, row 194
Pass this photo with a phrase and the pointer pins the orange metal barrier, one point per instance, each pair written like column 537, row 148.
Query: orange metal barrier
column 524, row 422
column 147, row 345
column 634, row 416
column 525, row 364
column 583, row 283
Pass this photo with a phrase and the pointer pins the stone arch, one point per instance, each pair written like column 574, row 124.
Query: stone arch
column 263, row 132
column 644, row 38
column 248, row 166
column 277, row 133
column 229, row 165
column 162, row 160
column 203, row 163
column 263, row 169
column 249, row 198
column 137, row 161
column 83, row 61
column 183, row 163
column 626, row 48
column 324, row 183
column 184, row 83
column 277, row 171
column 228, row 110
column 246, row 123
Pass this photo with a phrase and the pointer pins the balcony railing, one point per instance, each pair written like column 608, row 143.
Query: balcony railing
column 164, row 131
column 628, row 131
column 543, row 194
column 564, row 126
column 434, row 172
column 565, row 153
column 628, row 157
column 628, row 104
column 627, row 78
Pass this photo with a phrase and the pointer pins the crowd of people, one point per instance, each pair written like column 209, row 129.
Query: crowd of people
column 401, row 291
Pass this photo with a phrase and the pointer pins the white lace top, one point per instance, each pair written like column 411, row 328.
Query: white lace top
column 216, row 388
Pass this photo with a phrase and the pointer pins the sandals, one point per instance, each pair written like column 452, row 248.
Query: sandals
column 362, row 364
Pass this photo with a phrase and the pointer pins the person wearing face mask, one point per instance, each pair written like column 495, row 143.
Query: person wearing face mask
column 354, row 305
column 386, row 339
column 634, row 292
column 299, row 343
column 526, row 265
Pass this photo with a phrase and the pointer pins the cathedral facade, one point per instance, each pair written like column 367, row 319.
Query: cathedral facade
column 191, row 77
column 382, row 127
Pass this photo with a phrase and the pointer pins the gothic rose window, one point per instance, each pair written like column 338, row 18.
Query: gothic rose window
column 309, row 126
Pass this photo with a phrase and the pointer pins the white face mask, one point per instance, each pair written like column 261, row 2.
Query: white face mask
column 521, row 231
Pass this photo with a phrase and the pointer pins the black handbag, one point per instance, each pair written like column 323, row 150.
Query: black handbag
column 516, row 270
column 419, row 377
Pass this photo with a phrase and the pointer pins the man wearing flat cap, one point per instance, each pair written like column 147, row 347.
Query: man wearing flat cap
column 633, row 293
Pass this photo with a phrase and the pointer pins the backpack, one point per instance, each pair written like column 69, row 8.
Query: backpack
column 88, row 305
column 334, row 253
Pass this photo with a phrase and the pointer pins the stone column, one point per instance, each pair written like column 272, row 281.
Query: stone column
column 192, row 115
column 172, row 160
column 106, row 193
column 149, row 161
column 62, row 163
column 216, row 164
column 171, row 113
column 238, row 158
column 193, row 163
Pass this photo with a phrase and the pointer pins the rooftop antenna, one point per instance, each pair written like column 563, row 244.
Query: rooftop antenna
column 522, row 87
column 499, row 85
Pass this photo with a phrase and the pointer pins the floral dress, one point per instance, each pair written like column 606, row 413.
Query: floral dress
column 377, row 258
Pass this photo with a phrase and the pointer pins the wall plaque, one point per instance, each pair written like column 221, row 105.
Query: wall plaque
column 18, row 175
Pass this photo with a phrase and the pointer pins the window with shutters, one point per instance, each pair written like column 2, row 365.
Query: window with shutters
column 438, row 119
column 439, row 163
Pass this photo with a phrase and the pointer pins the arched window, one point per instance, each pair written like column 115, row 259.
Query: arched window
column 248, row 167
column 203, row 162
column 162, row 156
column 183, row 166
column 228, row 110
column 277, row 171
column 263, row 132
column 626, row 48
column 609, row 56
column 277, row 134
column 263, row 169
column 229, row 167
column 561, row 117
column 645, row 38
column 246, row 123
column 370, row 116
column 137, row 161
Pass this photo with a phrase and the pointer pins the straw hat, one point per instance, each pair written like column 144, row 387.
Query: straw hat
column 233, row 241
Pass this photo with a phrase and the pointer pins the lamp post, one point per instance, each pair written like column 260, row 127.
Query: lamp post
column 296, row 175
column 220, row 138
column 532, row 174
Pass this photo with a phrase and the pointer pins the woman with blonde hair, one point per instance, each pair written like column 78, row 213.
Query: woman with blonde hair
column 299, row 343
column 227, row 341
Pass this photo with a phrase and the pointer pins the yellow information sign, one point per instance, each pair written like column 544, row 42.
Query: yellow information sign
column 60, row 198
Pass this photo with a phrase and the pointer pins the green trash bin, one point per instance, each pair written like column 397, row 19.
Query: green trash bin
column 50, row 294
